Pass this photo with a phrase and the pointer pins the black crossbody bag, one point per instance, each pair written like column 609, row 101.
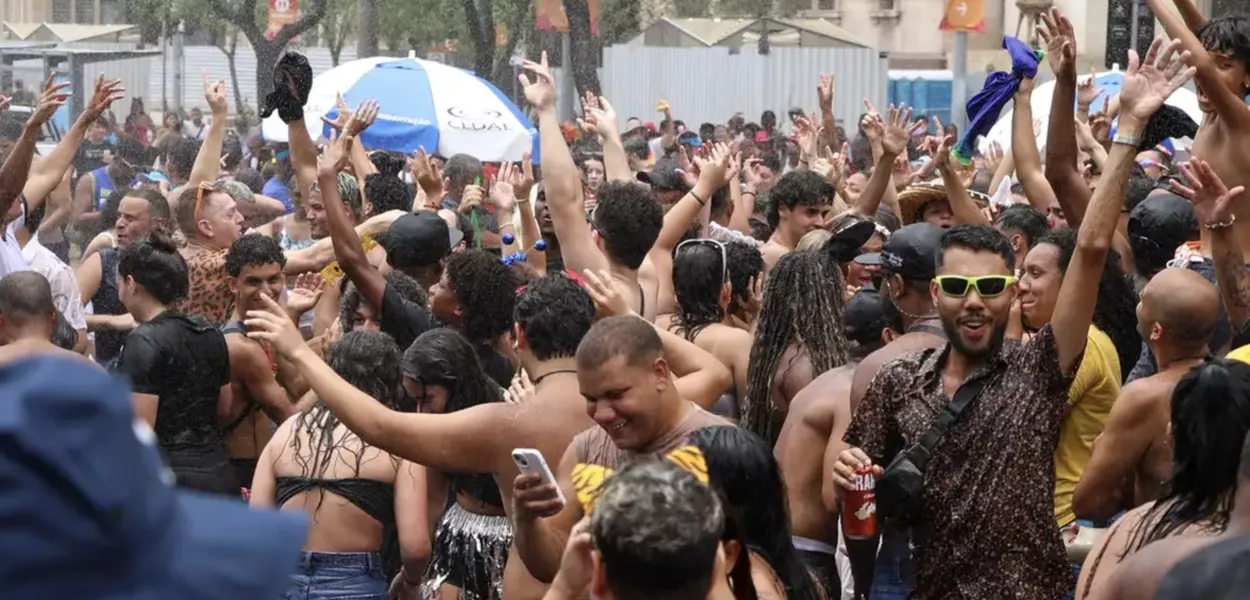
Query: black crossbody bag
column 901, row 486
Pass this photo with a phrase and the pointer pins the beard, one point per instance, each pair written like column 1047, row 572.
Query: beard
column 998, row 331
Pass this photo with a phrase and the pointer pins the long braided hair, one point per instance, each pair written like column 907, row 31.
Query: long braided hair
column 802, row 306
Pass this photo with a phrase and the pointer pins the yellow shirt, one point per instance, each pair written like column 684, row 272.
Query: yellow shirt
column 1242, row 354
column 1094, row 390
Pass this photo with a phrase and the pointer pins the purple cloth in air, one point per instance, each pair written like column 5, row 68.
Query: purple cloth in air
column 984, row 107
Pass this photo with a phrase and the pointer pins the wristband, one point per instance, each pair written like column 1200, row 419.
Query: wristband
column 1127, row 139
column 1229, row 223
column 702, row 202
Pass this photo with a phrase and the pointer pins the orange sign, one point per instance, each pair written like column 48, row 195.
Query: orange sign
column 281, row 12
column 964, row 15
column 549, row 16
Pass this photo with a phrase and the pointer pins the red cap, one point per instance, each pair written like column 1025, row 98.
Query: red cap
column 761, row 136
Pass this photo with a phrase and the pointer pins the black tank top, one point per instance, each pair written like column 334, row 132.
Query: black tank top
column 106, row 301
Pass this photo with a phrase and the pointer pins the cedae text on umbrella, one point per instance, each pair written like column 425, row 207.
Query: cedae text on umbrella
column 476, row 119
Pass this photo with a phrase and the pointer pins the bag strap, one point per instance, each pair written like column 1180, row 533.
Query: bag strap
column 922, row 451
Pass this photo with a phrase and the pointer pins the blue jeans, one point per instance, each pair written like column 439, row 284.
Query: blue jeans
column 896, row 571
column 338, row 576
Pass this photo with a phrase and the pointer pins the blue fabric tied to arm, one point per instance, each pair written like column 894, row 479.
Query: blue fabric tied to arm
column 984, row 107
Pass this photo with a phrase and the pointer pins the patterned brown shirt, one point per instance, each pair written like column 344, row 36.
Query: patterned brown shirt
column 987, row 527
column 209, row 294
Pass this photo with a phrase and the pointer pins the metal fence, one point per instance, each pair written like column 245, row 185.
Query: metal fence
column 711, row 84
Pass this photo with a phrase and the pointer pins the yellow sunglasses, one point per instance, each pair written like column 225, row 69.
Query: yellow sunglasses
column 987, row 286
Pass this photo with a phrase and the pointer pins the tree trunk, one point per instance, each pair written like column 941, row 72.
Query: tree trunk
column 366, row 30
column 234, row 73
column 480, row 21
column 585, row 49
column 267, row 51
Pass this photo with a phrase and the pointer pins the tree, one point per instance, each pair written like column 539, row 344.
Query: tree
column 584, row 47
column 367, row 33
column 417, row 25
column 692, row 8
column 619, row 21
column 250, row 16
column 338, row 25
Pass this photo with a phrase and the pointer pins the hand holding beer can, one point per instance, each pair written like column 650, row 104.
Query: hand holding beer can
column 859, row 506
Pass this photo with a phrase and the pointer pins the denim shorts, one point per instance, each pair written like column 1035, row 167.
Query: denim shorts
column 338, row 576
column 896, row 571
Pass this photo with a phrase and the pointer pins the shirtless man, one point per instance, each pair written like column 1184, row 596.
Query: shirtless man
column 1176, row 317
column 624, row 375
column 798, row 203
column 818, row 413
column 254, row 265
column 552, row 316
column 626, row 220
column 1161, row 569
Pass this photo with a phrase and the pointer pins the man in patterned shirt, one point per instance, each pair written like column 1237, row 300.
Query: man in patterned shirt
column 985, row 518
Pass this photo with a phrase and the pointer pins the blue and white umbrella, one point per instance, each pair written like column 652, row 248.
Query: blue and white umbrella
column 422, row 104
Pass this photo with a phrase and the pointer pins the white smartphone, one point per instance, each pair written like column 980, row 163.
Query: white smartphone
column 529, row 460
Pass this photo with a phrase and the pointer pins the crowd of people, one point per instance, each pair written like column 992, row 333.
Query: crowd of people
column 657, row 363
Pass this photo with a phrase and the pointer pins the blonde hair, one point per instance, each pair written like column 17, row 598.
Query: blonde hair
column 813, row 240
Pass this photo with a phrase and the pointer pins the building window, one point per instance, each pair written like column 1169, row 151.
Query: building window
column 84, row 12
column 61, row 11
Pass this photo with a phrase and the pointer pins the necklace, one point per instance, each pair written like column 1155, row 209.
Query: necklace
column 539, row 379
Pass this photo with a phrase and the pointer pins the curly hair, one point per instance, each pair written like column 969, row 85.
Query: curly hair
column 253, row 250
column 483, row 288
column 182, row 155
column 155, row 264
column 746, row 262
column 408, row 288
column 387, row 192
column 796, row 188
column 802, row 307
column 629, row 219
column 555, row 313
column 1116, row 311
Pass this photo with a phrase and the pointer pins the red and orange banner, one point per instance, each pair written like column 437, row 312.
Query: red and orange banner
column 964, row 15
column 549, row 16
column 281, row 12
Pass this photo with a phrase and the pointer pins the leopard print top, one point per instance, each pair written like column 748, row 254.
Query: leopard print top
column 209, row 294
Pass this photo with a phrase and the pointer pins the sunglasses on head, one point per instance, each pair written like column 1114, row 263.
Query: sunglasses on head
column 724, row 259
column 199, row 197
column 987, row 286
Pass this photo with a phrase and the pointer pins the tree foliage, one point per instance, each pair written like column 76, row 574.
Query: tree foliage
column 337, row 27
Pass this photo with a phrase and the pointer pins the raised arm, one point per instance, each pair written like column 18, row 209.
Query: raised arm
column 561, row 178
column 208, row 160
column 1227, row 104
column 1061, row 154
column 51, row 169
column 891, row 136
column 962, row 205
column 1213, row 203
column 1146, row 86
column 601, row 116
column 1024, row 151
column 16, row 169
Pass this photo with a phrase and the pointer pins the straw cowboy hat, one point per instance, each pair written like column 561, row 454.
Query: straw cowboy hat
column 911, row 201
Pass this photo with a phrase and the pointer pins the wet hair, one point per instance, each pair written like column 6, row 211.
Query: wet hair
column 253, row 250
column 741, row 466
column 625, row 335
column 720, row 202
column 252, row 179
column 977, row 238
column 444, row 358
column 408, row 288
column 887, row 219
column 745, row 263
column 1138, row 188
column 658, row 530
column 1228, row 35
column 796, row 188
column 387, row 192
column 629, row 219
column 25, row 295
column 801, row 285
column 699, row 272
column 1210, row 419
column 461, row 170
column 182, row 154
column 636, row 148
column 369, row 362
column 1024, row 220
column 555, row 313
column 387, row 163
column 484, row 290
column 232, row 152
column 760, row 230
column 155, row 264
column 1116, row 311
column 770, row 160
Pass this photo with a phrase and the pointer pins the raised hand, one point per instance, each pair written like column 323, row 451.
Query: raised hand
column 428, row 174
column 1060, row 38
column 1149, row 82
column 942, row 145
column 470, row 199
column 712, row 169
column 271, row 324
column 337, row 154
column 106, row 93
column 215, row 95
column 340, row 119
column 540, row 91
column 601, row 116
column 824, row 92
column 872, row 115
column 805, row 130
column 522, row 179
column 1086, row 93
column 366, row 113
column 898, row 130
column 53, row 98
column 307, row 291
column 608, row 299
column 502, row 195
column 685, row 167
column 1212, row 200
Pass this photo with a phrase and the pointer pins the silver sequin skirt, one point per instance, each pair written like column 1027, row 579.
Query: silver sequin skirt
column 470, row 552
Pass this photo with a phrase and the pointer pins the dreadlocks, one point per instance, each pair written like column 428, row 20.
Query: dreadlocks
column 802, row 308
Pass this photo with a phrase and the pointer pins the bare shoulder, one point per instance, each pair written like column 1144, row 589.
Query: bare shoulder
column 1141, row 573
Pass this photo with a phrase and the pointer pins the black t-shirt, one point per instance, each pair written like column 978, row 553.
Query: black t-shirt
column 405, row 321
column 184, row 362
column 91, row 156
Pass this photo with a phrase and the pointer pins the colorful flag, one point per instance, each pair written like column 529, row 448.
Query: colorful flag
column 549, row 16
column 281, row 12
column 964, row 15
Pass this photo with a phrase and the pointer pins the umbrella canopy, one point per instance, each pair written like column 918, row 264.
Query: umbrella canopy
column 423, row 104
column 1111, row 81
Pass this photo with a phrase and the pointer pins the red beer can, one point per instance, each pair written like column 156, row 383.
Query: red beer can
column 859, row 507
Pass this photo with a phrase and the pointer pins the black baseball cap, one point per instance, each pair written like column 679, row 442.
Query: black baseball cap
column 664, row 176
column 1216, row 572
column 864, row 317
column 911, row 252
column 848, row 237
column 420, row 239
